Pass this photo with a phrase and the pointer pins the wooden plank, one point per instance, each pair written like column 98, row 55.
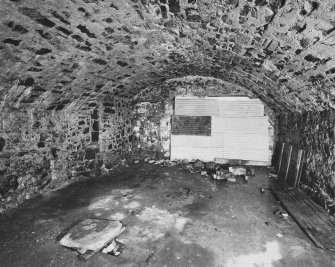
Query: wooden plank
column 284, row 162
column 196, row 107
column 292, row 168
column 248, row 155
column 193, row 153
column 231, row 98
column 288, row 162
column 280, row 157
column 241, row 109
column 246, row 140
column 298, row 168
column 301, row 166
column 322, row 219
column 235, row 125
column 247, row 147
column 224, row 106
column 313, row 220
column 191, row 125
column 189, row 147
column 242, row 162
column 196, row 141
column 297, row 212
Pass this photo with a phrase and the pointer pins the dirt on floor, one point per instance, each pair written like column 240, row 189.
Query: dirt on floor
column 172, row 218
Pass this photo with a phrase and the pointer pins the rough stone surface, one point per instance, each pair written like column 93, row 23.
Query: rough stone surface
column 73, row 73
column 64, row 50
column 151, row 130
column 314, row 132
column 48, row 148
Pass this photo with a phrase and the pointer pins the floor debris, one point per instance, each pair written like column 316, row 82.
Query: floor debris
column 250, row 171
column 231, row 179
column 238, row 170
column 115, row 248
column 204, row 173
column 281, row 213
column 221, row 175
column 215, row 170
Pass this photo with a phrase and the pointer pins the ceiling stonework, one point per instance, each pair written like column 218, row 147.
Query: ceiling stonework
column 54, row 53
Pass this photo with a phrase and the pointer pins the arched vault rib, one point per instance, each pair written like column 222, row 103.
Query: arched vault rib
column 70, row 50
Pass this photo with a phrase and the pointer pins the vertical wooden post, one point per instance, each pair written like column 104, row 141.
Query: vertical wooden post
column 301, row 166
column 297, row 168
column 288, row 162
column 280, row 157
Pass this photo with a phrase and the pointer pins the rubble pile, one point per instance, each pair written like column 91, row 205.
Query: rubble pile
column 211, row 169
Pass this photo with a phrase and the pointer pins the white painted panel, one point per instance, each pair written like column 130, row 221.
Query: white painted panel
column 196, row 141
column 248, row 155
column 196, row 107
column 240, row 109
column 248, row 141
column 246, row 147
column 196, row 147
column 239, row 130
column 240, row 125
column 192, row 153
column 247, row 162
column 215, row 106
column 230, row 98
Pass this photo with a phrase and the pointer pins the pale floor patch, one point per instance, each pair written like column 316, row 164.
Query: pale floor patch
column 157, row 223
column 185, row 240
column 297, row 250
column 132, row 205
column 126, row 194
column 264, row 259
column 126, row 198
column 118, row 216
column 103, row 203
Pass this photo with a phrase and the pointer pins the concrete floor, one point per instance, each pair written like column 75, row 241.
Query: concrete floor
column 172, row 218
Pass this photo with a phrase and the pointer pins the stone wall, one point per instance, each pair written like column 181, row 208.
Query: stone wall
column 46, row 149
column 115, row 130
column 152, row 128
column 314, row 132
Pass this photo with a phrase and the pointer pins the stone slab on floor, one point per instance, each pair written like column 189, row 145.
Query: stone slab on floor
column 90, row 235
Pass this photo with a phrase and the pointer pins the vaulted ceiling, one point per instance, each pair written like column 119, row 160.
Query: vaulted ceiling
column 54, row 53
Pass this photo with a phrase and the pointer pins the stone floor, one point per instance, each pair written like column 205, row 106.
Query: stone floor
column 172, row 218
